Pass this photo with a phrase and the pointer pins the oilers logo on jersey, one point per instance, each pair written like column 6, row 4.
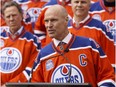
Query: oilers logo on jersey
column 111, row 25
column 10, row 59
column 32, row 15
column 60, row 74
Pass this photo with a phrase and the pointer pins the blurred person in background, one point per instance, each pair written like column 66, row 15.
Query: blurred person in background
column 104, row 11
column 84, row 25
column 32, row 11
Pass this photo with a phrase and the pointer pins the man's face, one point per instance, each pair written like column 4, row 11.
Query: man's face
column 80, row 7
column 13, row 18
column 55, row 24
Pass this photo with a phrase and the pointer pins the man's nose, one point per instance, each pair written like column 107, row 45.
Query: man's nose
column 49, row 24
column 11, row 17
column 79, row 4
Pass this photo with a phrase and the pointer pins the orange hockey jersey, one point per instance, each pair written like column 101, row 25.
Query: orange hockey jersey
column 94, row 29
column 105, row 14
column 84, row 59
column 17, row 56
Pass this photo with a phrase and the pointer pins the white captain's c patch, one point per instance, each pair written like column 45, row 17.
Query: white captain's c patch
column 60, row 74
column 10, row 59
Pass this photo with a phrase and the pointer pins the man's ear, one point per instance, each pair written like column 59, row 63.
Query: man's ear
column 67, row 18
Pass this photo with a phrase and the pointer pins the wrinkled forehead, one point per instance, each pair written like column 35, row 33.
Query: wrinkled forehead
column 56, row 11
column 12, row 10
column 51, row 15
column 52, row 12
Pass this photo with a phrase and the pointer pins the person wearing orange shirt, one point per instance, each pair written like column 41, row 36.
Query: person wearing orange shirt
column 39, row 29
column 104, row 11
column 84, row 25
column 3, row 25
column 32, row 11
column 69, row 58
column 18, row 47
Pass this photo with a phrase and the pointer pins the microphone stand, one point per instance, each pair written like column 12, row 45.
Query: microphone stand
column 70, row 69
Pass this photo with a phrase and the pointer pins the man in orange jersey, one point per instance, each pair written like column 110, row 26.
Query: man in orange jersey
column 104, row 10
column 69, row 58
column 40, row 30
column 18, row 48
column 3, row 25
column 84, row 25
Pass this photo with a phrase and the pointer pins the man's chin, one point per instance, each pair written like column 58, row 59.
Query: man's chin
column 12, row 28
column 51, row 36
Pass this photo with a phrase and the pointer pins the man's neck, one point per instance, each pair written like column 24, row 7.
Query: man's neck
column 78, row 19
column 14, row 31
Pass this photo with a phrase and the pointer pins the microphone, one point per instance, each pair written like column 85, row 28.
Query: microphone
column 31, row 72
column 70, row 68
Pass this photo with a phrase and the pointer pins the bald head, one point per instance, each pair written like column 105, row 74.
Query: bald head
column 57, row 10
column 56, row 20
